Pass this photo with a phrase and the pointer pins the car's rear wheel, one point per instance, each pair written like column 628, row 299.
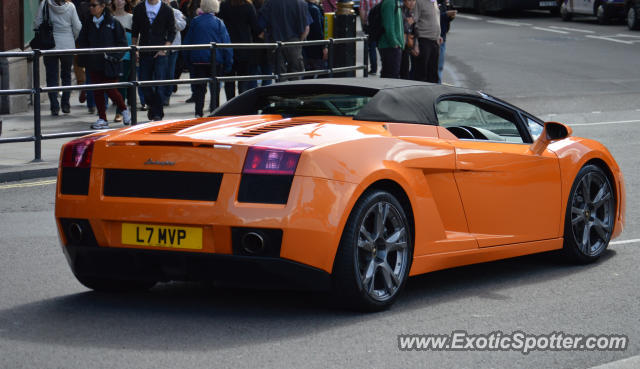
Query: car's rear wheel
column 115, row 285
column 375, row 253
column 590, row 215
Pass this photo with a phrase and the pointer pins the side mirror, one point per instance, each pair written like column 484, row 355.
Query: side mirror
column 552, row 131
column 556, row 131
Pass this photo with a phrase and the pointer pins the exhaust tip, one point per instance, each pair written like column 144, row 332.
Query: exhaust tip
column 252, row 243
column 75, row 232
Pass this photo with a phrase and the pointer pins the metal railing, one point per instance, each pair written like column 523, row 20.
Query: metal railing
column 36, row 91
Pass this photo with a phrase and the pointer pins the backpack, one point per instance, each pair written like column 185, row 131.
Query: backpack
column 374, row 22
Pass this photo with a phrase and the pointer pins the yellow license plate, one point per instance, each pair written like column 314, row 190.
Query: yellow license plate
column 162, row 236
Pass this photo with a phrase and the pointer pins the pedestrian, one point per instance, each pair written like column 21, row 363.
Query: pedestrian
column 365, row 8
column 286, row 21
column 428, row 25
column 181, row 23
column 122, row 13
column 446, row 16
column 66, row 28
column 391, row 42
column 411, row 49
column 204, row 29
column 153, row 25
column 240, row 18
column 315, row 57
column 104, row 31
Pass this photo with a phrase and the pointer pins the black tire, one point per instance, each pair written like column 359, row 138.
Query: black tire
column 590, row 215
column 115, row 285
column 370, row 269
column 632, row 16
column 555, row 11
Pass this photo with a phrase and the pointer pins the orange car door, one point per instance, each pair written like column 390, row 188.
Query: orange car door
column 510, row 195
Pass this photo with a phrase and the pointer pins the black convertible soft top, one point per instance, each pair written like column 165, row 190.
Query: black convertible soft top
column 393, row 100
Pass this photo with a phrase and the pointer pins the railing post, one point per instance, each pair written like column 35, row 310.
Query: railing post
column 276, row 60
column 365, row 59
column 330, row 57
column 133, row 90
column 215, row 92
column 37, row 128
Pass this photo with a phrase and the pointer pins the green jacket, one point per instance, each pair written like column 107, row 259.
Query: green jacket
column 393, row 35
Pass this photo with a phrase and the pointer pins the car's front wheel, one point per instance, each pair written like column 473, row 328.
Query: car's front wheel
column 602, row 14
column 375, row 253
column 114, row 285
column 590, row 215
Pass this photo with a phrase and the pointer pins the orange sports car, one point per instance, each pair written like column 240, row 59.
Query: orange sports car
column 349, row 185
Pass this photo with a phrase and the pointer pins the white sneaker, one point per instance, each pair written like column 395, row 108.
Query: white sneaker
column 126, row 117
column 100, row 124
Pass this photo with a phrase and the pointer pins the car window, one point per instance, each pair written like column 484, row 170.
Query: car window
column 476, row 120
column 535, row 127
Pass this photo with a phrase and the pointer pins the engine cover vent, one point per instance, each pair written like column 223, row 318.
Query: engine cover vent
column 269, row 128
column 177, row 127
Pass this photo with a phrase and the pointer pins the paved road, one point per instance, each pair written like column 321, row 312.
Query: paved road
column 47, row 320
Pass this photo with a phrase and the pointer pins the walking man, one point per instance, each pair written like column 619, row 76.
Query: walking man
column 428, row 26
column 154, row 25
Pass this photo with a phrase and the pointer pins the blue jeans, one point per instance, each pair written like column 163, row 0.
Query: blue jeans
column 153, row 68
column 171, row 72
column 443, row 48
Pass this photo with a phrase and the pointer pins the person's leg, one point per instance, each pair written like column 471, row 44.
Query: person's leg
column 52, row 69
column 420, row 70
column 171, row 67
column 199, row 90
column 295, row 61
column 373, row 57
column 91, row 103
column 266, row 69
column 99, row 94
column 253, row 70
column 404, row 64
column 432, row 62
column 140, row 89
column 147, row 66
column 242, row 70
column 443, row 48
column 126, row 71
column 66, row 62
column 230, row 87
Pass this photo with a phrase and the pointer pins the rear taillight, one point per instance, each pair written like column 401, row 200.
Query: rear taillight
column 272, row 160
column 77, row 153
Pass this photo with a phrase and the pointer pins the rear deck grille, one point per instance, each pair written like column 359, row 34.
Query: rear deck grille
column 269, row 128
column 158, row 184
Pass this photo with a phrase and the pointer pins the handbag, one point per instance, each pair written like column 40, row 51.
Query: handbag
column 112, row 66
column 43, row 39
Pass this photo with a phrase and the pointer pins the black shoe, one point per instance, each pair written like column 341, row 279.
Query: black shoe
column 372, row 72
column 190, row 100
column 66, row 109
column 55, row 112
column 143, row 107
column 156, row 118
column 92, row 110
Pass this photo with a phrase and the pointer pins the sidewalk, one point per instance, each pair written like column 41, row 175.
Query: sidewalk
column 16, row 159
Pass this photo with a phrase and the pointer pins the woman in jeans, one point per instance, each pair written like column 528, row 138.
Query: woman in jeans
column 104, row 31
column 66, row 27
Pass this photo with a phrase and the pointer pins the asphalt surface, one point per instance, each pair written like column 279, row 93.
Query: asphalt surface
column 48, row 320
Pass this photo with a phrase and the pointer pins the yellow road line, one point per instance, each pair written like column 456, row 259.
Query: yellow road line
column 28, row 184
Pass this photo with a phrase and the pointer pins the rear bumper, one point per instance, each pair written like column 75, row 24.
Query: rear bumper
column 136, row 264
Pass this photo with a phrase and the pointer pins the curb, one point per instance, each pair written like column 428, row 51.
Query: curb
column 20, row 175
